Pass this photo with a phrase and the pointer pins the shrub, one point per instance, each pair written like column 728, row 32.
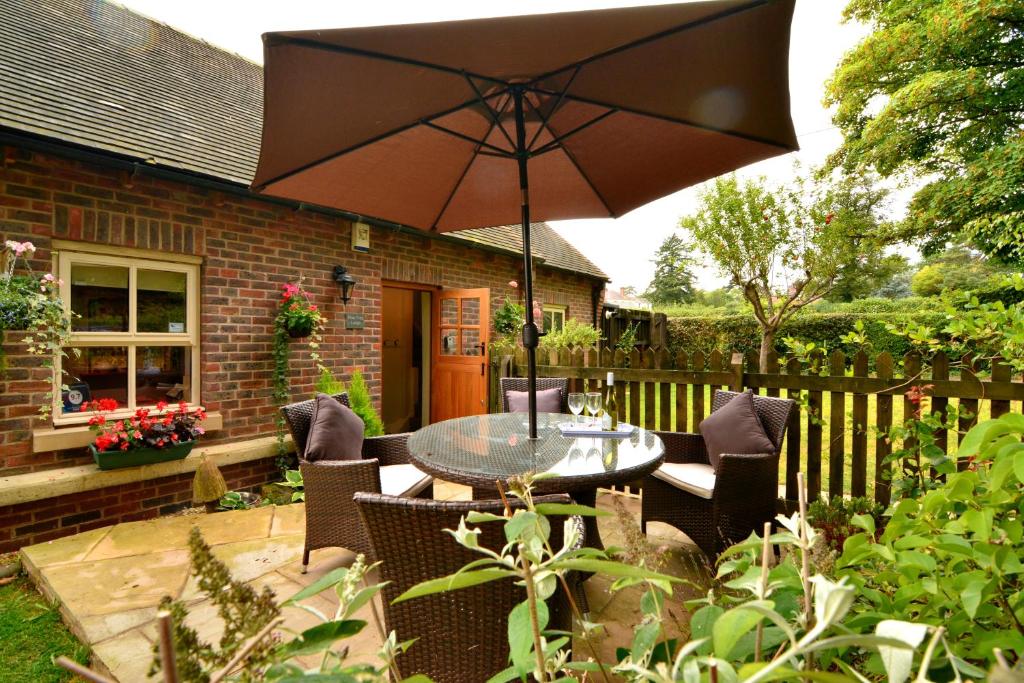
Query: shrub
column 573, row 335
column 741, row 332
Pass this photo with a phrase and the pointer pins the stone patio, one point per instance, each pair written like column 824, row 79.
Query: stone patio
column 109, row 581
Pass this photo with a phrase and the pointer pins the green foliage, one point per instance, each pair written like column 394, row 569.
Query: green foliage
column 952, row 556
column 921, row 463
column 862, row 278
column 784, row 248
column 508, row 319
column 627, row 340
column 937, row 90
column 910, row 304
column 32, row 303
column 362, row 405
column 753, row 628
column 239, row 500
column 673, row 281
column 247, row 617
column 293, row 480
column 971, row 328
column 741, row 332
column 958, row 269
column 327, row 383
column 573, row 335
column 32, row 634
column 834, row 518
column 243, row 611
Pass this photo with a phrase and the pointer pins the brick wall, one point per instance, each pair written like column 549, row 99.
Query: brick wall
column 250, row 248
column 45, row 520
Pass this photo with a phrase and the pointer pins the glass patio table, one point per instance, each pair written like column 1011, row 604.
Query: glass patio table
column 481, row 449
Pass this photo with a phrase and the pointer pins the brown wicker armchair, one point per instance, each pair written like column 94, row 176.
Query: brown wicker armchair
column 719, row 509
column 332, row 520
column 522, row 384
column 462, row 635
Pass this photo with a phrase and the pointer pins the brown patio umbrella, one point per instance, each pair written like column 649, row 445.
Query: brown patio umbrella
column 465, row 124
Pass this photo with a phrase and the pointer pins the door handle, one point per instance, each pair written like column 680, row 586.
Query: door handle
column 483, row 372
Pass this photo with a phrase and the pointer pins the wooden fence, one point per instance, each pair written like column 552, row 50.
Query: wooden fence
column 838, row 438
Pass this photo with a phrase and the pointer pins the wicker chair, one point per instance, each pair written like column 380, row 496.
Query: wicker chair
column 717, row 510
column 522, row 384
column 462, row 635
column 332, row 520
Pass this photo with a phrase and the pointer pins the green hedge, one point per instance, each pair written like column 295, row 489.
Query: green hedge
column 742, row 333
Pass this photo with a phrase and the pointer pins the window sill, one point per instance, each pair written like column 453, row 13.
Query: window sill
column 63, row 438
column 46, row 484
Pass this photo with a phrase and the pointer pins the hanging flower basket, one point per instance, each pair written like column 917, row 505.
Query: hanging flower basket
column 301, row 328
column 112, row 460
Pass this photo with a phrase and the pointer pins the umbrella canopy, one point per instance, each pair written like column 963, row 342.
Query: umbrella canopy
column 464, row 124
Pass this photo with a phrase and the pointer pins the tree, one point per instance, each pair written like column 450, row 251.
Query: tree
column 938, row 90
column 956, row 269
column 858, row 280
column 673, row 281
column 785, row 247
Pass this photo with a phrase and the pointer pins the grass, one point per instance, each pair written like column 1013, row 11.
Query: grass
column 872, row 440
column 31, row 635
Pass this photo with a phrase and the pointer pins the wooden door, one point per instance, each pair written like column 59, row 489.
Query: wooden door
column 460, row 330
column 400, row 378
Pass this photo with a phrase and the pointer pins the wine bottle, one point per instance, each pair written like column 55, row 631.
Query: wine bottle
column 611, row 406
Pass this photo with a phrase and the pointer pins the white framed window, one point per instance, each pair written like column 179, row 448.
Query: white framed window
column 554, row 318
column 136, row 323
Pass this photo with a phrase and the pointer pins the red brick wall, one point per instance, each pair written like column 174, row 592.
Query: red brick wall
column 45, row 520
column 249, row 248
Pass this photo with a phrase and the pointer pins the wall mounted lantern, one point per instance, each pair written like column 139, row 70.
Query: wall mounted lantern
column 345, row 282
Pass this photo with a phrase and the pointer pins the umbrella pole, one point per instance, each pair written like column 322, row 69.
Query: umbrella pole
column 531, row 334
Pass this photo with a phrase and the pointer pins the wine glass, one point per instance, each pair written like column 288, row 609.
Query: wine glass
column 576, row 405
column 593, row 403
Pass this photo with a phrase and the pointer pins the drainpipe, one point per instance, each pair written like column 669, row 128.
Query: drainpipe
column 595, row 300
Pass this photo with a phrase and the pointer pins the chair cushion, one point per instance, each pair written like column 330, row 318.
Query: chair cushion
column 403, row 480
column 548, row 401
column 735, row 428
column 692, row 477
column 335, row 432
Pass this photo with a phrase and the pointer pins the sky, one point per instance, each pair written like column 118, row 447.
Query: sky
column 622, row 247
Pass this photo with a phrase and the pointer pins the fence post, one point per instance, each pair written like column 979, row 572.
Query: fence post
column 736, row 369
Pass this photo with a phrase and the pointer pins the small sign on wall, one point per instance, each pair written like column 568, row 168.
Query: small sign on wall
column 354, row 321
column 361, row 237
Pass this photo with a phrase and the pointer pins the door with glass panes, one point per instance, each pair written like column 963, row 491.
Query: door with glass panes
column 461, row 324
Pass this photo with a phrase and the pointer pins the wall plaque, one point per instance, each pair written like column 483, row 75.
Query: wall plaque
column 354, row 321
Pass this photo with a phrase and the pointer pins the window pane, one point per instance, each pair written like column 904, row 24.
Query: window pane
column 162, row 373
column 449, row 312
column 99, row 294
column 161, row 301
column 470, row 341
column 100, row 372
column 548, row 322
column 449, row 341
column 471, row 311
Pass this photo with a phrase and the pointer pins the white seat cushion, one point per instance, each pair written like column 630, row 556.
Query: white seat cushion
column 690, row 477
column 403, row 480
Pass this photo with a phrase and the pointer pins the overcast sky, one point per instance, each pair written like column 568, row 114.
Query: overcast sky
column 623, row 247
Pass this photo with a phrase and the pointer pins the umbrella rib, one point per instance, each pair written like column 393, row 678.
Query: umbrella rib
column 558, row 103
column 359, row 145
column 724, row 14
column 557, row 141
column 490, row 112
column 469, row 138
column 343, row 49
column 458, row 183
column 685, row 122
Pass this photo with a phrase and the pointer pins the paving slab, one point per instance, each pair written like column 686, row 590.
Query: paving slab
column 109, row 581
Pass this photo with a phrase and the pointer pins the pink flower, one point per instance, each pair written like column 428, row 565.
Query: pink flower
column 513, row 284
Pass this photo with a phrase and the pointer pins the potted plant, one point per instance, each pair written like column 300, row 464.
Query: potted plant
column 142, row 439
column 297, row 315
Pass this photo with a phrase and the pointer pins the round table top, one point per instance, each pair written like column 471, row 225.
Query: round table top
column 479, row 449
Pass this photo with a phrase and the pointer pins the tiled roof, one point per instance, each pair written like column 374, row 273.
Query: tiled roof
column 94, row 73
